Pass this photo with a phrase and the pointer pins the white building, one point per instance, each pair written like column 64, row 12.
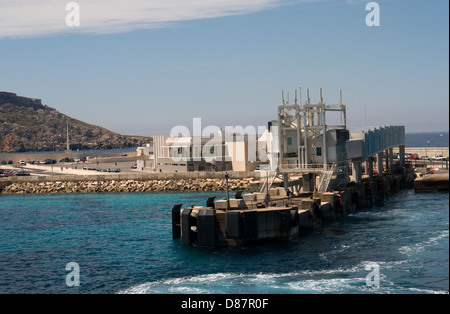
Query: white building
column 218, row 152
column 145, row 157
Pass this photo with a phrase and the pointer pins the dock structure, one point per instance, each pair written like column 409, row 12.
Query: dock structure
column 311, row 142
column 319, row 170
column 432, row 182
column 310, row 145
column 256, row 216
column 244, row 220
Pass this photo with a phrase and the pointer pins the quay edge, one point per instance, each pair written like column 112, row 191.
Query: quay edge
column 257, row 217
column 432, row 182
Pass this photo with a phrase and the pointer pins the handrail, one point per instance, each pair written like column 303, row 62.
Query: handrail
column 268, row 181
column 286, row 167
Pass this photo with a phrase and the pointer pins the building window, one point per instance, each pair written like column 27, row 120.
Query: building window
column 318, row 151
column 289, row 141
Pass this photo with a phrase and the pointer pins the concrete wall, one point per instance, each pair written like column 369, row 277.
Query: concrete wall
column 3, row 184
column 113, row 157
column 137, row 176
column 355, row 149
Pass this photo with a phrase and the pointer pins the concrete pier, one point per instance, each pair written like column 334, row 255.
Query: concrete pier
column 209, row 227
column 432, row 182
column 274, row 215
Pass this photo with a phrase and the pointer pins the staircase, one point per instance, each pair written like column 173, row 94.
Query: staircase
column 325, row 178
column 268, row 181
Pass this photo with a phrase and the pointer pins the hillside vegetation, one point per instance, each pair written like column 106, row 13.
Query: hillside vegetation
column 28, row 125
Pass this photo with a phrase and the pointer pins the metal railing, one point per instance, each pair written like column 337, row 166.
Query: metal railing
column 305, row 168
column 325, row 179
column 268, row 181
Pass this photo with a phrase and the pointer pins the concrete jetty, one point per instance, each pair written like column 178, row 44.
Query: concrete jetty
column 432, row 182
column 208, row 226
column 258, row 216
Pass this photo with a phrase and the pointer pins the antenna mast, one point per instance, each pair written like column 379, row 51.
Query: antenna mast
column 68, row 146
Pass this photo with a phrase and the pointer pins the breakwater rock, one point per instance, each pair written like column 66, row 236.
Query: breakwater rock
column 114, row 186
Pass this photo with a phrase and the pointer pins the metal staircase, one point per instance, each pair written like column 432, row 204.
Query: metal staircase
column 268, row 181
column 339, row 170
column 324, row 181
column 325, row 178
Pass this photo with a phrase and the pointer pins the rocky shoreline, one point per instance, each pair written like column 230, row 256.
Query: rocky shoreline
column 114, row 186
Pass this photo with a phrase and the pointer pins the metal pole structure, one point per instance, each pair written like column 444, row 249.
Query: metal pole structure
column 305, row 142
column 228, row 194
column 324, row 150
column 68, row 145
column 280, row 133
column 299, row 134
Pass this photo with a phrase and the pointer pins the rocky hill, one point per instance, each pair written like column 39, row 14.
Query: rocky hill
column 28, row 125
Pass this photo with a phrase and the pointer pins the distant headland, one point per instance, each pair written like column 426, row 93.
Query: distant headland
column 28, row 125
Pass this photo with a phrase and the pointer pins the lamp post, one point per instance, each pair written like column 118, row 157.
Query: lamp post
column 442, row 150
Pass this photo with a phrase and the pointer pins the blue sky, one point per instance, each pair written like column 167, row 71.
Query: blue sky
column 227, row 62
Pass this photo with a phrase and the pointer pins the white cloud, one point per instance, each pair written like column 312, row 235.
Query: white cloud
column 24, row 18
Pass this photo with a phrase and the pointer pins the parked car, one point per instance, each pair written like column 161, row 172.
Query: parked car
column 438, row 157
column 414, row 156
column 22, row 163
column 22, row 174
column 89, row 168
column 425, row 158
column 9, row 174
column 67, row 159
column 48, row 162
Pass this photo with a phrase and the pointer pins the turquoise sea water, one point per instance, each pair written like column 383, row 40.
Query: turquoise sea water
column 122, row 244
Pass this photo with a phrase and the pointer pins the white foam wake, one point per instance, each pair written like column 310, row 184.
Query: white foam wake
column 421, row 246
column 339, row 280
column 308, row 281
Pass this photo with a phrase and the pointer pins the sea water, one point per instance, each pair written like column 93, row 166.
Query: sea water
column 122, row 243
column 424, row 139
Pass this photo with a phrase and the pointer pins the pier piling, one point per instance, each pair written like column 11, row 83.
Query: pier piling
column 257, row 216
